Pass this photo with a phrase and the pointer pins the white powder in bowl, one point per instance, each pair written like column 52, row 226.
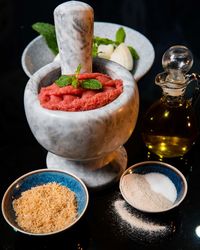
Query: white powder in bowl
column 139, row 191
column 162, row 184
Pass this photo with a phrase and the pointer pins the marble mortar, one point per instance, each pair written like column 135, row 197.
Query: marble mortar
column 85, row 140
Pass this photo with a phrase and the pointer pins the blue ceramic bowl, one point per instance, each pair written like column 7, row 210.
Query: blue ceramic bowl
column 40, row 177
column 174, row 179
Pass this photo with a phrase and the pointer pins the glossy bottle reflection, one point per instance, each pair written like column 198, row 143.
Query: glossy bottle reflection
column 169, row 127
column 169, row 130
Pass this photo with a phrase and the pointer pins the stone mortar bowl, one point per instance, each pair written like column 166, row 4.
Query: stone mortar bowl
column 85, row 142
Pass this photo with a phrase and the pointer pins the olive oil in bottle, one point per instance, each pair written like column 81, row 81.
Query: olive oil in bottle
column 169, row 127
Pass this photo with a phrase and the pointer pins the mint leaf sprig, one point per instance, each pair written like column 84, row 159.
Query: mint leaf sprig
column 120, row 35
column 65, row 80
column 91, row 84
column 47, row 30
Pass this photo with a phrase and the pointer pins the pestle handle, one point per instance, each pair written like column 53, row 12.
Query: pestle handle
column 74, row 31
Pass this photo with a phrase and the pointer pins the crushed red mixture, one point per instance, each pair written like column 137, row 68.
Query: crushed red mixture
column 69, row 98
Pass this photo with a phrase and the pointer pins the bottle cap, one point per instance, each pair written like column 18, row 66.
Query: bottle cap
column 176, row 62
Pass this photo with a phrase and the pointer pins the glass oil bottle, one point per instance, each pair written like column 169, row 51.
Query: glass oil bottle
column 169, row 128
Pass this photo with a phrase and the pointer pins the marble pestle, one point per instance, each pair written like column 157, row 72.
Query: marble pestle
column 74, row 31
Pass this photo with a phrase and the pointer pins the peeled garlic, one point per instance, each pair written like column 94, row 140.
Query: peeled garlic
column 123, row 56
column 105, row 51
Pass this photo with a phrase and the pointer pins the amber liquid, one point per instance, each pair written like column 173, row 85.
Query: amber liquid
column 169, row 129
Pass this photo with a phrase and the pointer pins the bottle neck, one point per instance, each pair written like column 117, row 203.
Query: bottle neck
column 176, row 101
column 173, row 99
column 173, row 90
column 172, row 84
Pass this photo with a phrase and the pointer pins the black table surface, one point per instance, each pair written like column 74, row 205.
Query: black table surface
column 165, row 23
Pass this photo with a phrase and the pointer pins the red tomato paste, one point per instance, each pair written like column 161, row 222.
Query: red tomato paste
column 69, row 98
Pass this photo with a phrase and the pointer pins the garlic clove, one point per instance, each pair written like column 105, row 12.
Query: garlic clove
column 123, row 56
column 105, row 51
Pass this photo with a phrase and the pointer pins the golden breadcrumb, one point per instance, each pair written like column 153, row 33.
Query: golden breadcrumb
column 45, row 208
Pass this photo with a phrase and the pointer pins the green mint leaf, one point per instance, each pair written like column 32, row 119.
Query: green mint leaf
column 67, row 80
column 133, row 53
column 99, row 40
column 94, row 50
column 48, row 32
column 75, row 82
column 120, row 35
column 64, row 80
column 78, row 70
column 91, row 84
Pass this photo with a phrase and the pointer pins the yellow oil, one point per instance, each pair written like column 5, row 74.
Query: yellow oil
column 169, row 129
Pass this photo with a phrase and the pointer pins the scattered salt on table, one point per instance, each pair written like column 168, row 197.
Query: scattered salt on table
column 134, row 221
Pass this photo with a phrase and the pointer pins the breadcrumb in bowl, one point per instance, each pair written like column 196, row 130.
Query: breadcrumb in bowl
column 44, row 202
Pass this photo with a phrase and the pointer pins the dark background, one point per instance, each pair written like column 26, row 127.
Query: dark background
column 164, row 23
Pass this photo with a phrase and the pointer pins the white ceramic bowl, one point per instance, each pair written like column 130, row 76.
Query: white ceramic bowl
column 162, row 179
column 37, row 54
